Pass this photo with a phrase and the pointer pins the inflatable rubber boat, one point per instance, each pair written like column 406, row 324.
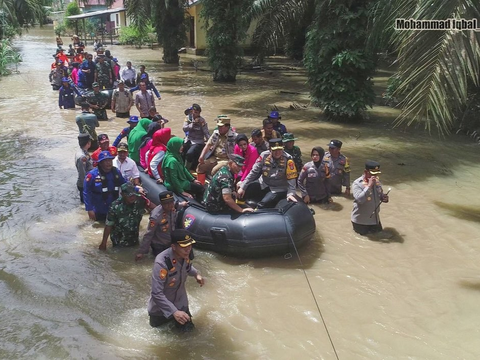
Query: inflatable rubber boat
column 86, row 93
column 261, row 233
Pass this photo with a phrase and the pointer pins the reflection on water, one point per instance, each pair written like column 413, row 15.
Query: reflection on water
column 409, row 295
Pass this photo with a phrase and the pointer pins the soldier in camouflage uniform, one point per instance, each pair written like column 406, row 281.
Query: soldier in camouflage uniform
column 339, row 169
column 87, row 122
column 292, row 149
column 98, row 102
column 219, row 195
column 123, row 218
column 103, row 73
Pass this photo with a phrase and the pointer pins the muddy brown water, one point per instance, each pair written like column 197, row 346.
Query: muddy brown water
column 414, row 296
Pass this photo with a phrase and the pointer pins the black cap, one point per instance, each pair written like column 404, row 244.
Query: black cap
column 166, row 196
column 275, row 144
column 83, row 139
column 335, row 144
column 182, row 238
column 157, row 117
column 196, row 107
column 373, row 167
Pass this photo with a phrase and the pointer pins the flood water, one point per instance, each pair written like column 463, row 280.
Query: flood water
column 414, row 296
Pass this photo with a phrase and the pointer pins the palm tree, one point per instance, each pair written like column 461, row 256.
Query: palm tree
column 168, row 18
column 227, row 26
column 20, row 13
column 436, row 67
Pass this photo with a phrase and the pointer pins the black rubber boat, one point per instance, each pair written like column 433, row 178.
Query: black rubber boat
column 261, row 233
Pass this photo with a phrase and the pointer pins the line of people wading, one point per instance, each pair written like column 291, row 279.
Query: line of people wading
column 262, row 168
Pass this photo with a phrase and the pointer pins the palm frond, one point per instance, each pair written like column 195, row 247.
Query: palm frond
column 274, row 18
column 435, row 66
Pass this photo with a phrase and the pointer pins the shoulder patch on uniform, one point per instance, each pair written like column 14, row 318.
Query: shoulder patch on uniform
column 88, row 177
column 259, row 159
column 291, row 170
column 151, row 224
column 163, row 274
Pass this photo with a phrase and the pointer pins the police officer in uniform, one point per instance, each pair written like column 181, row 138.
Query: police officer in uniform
column 368, row 195
column 277, row 175
column 219, row 197
column 123, row 218
column 339, row 169
column 101, row 187
column 168, row 300
column 161, row 224
column 313, row 179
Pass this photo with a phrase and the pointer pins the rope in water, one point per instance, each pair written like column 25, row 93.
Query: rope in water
column 311, row 291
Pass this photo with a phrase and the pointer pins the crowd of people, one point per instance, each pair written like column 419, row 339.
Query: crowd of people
column 226, row 171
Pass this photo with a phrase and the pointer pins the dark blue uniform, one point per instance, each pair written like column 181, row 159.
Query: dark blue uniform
column 66, row 97
column 122, row 134
column 100, row 190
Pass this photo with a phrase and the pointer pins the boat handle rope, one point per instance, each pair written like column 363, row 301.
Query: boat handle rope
column 311, row 290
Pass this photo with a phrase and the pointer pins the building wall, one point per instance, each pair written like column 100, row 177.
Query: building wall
column 201, row 33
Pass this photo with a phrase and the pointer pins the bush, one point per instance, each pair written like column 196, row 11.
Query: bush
column 8, row 56
column 131, row 35
column 60, row 29
column 72, row 9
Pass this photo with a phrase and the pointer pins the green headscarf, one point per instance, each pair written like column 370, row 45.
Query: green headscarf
column 173, row 156
column 135, row 139
column 176, row 176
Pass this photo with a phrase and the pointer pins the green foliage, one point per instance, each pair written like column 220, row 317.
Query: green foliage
column 18, row 14
column 435, row 67
column 9, row 31
column 226, row 28
column 8, row 56
column 60, row 29
column 131, row 35
column 339, row 68
column 389, row 95
column 281, row 24
column 72, row 9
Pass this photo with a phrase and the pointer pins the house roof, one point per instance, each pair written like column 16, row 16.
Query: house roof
column 95, row 13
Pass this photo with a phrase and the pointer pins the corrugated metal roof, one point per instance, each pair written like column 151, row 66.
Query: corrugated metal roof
column 95, row 13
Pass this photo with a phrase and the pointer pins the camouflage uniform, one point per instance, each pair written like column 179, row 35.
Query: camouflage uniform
column 339, row 173
column 222, row 183
column 296, row 155
column 101, row 100
column 125, row 221
column 104, row 71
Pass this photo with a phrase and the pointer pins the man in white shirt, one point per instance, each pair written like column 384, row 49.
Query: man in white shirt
column 129, row 74
column 125, row 165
